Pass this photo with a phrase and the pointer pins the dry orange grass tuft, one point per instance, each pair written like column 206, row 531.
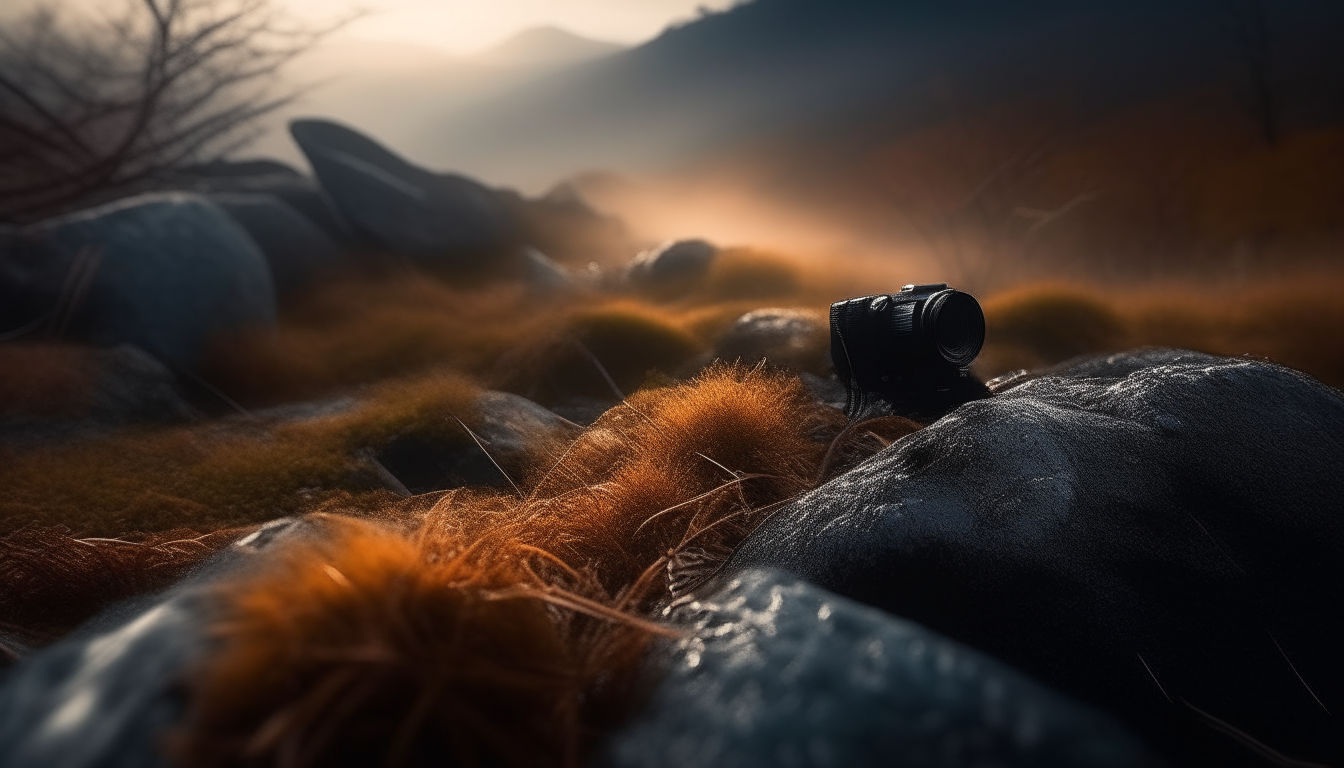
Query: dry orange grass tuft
column 351, row 333
column 367, row 647
column 222, row 475
column 604, row 351
column 685, row 465
column 45, row 379
column 498, row 629
column 54, row 581
column 740, row 273
column 1289, row 321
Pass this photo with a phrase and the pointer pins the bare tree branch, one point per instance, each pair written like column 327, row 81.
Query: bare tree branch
column 92, row 106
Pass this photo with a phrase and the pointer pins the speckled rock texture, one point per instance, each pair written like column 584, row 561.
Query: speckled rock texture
column 777, row 672
column 1157, row 533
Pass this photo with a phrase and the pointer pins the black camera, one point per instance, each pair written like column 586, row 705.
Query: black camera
column 908, row 352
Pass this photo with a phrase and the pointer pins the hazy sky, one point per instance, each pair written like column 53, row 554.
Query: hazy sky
column 462, row 26
column 465, row 25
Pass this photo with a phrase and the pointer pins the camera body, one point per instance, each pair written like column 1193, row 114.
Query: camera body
column 910, row 350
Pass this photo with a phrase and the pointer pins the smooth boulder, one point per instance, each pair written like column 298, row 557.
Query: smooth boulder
column 1156, row 533
column 66, row 393
column 671, row 267
column 441, row 219
column 110, row 694
column 788, row 338
column 775, row 671
column 165, row 272
column 563, row 224
column 542, row 275
column 261, row 177
column 510, row 429
column 298, row 251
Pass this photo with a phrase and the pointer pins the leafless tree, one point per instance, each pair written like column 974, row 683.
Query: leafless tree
column 93, row 105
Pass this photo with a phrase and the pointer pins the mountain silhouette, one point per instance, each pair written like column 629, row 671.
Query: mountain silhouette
column 838, row 71
column 543, row 47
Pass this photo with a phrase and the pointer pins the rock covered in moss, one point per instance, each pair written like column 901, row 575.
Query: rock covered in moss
column 165, row 272
column 776, row 671
column 1155, row 532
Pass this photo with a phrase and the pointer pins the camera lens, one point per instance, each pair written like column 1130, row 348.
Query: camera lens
column 953, row 321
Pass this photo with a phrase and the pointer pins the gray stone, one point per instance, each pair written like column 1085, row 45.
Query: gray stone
column 565, row 226
column 260, row 177
column 442, row 219
column 1155, row 532
column 298, row 251
column 543, row 275
column 107, row 696
column 125, row 386
column 788, row 338
column 165, row 272
column 826, row 389
column 672, row 266
column 510, row 428
column 774, row 671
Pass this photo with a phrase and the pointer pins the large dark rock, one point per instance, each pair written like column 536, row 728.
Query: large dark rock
column 775, row 671
column 1158, row 533
column 298, row 251
column 109, row 695
column 165, row 272
column 104, row 390
column 441, row 218
column 671, row 267
column 543, row 276
column 260, row 177
column 565, row 226
column 789, row 338
column 510, row 427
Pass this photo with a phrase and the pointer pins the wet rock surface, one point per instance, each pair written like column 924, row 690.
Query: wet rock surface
column 1156, row 533
column 775, row 671
column 165, row 272
column 106, row 696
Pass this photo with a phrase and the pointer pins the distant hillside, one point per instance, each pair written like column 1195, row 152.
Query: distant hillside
column 543, row 47
column 1041, row 127
column 808, row 66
